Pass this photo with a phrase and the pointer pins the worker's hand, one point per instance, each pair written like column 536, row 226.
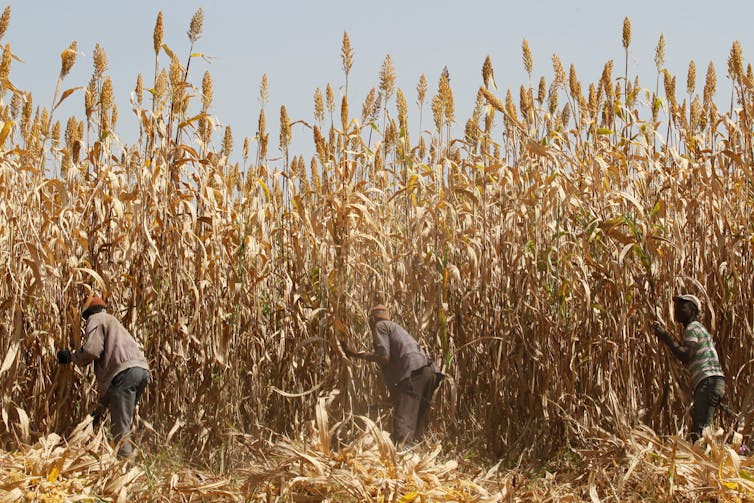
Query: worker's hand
column 64, row 356
column 96, row 416
column 660, row 332
column 347, row 350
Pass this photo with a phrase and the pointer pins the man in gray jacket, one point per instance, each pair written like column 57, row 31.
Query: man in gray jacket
column 121, row 370
column 409, row 374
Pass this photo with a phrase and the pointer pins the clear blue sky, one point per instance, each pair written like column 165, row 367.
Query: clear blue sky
column 297, row 44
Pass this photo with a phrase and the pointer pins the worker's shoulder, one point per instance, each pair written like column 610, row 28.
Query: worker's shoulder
column 104, row 319
column 696, row 328
column 393, row 328
column 697, row 325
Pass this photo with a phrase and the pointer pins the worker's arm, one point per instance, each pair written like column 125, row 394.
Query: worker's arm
column 684, row 351
column 381, row 340
column 375, row 357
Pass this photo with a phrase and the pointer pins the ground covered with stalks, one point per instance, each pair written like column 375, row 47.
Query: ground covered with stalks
column 639, row 466
column 529, row 254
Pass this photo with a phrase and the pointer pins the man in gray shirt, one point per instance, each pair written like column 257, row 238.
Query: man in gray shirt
column 408, row 372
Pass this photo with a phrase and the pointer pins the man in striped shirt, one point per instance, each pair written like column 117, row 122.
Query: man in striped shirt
column 698, row 352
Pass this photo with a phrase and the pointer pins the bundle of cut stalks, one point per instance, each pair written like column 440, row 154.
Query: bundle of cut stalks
column 710, row 470
column 56, row 470
column 85, row 468
column 369, row 468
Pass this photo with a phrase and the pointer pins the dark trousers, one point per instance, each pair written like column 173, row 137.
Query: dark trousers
column 707, row 396
column 122, row 396
column 412, row 398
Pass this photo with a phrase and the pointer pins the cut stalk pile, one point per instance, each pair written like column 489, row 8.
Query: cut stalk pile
column 368, row 468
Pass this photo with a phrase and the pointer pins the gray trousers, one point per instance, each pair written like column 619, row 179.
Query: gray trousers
column 122, row 396
column 707, row 396
column 412, row 399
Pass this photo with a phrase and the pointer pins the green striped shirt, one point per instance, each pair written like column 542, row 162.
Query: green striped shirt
column 704, row 362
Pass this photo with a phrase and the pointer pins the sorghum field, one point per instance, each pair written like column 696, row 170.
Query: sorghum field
column 530, row 254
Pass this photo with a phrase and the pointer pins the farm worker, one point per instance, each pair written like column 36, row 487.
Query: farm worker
column 408, row 372
column 698, row 352
column 121, row 370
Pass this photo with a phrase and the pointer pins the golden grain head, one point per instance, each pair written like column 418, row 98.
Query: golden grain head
column 330, row 98
column 510, row 106
column 606, row 78
column 421, row 90
column 319, row 143
column 565, row 115
column 735, row 61
column 100, row 60
column 107, row 96
column 90, row 96
column 139, row 90
column 285, row 128
column 319, row 106
column 227, row 141
column 56, row 131
column 344, row 112
column 574, row 85
column 558, row 70
column 541, row 90
column 471, row 132
column 387, row 77
column 175, row 73
column 523, row 100
column 161, row 85
column 207, row 91
column 71, row 129
column 159, row 34
column 488, row 75
column 5, row 65
column 262, row 123
column 346, row 54
column 4, row 21
column 16, row 103
column 196, row 26
column 660, row 52
column 695, row 112
column 526, row 56
column 264, row 90
column 492, row 100
column 626, row 33
column 552, row 102
column 68, row 59
column 446, row 95
column 667, row 81
column 245, row 147
column 691, row 78
column 437, row 111
column 593, row 97
column 389, row 137
column 402, row 106
column 44, row 121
